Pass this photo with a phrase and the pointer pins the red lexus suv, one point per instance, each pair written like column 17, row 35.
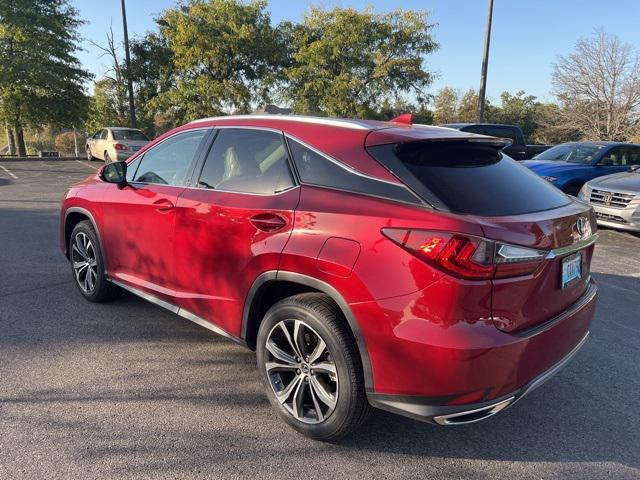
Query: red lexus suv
column 370, row 264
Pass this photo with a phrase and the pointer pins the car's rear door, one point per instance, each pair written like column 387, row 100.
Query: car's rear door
column 233, row 223
column 139, row 219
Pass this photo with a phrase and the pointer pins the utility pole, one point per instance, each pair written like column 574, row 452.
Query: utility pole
column 132, row 107
column 485, row 63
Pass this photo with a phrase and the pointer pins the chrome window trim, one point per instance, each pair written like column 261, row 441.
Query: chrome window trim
column 244, row 193
column 340, row 164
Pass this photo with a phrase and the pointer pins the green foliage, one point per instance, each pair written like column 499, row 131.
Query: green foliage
column 347, row 63
column 41, row 81
column 225, row 56
column 65, row 142
column 105, row 107
column 519, row 109
column 446, row 106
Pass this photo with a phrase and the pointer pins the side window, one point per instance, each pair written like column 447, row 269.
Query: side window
column 167, row 163
column 475, row 129
column 131, row 169
column 104, row 134
column 316, row 169
column 96, row 135
column 247, row 161
column 502, row 132
column 614, row 157
column 634, row 156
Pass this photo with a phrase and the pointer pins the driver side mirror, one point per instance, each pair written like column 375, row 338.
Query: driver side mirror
column 115, row 172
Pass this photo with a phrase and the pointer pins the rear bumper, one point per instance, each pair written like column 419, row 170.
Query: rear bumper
column 424, row 368
column 421, row 409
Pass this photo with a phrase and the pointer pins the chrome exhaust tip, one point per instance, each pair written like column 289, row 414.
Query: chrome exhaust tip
column 472, row 416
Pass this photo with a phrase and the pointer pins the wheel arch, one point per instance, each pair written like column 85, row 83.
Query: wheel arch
column 298, row 283
column 72, row 217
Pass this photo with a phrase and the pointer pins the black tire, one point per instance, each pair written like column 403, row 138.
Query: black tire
column 90, row 157
column 107, row 158
column 101, row 289
column 322, row 315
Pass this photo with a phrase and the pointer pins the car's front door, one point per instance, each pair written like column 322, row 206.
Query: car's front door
column 233, row 223
column 139, row 219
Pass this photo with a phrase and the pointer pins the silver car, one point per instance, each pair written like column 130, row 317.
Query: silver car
column 115, row 143
column 615, row 199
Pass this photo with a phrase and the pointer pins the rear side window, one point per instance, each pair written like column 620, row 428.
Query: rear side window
column 502, row 132
column 469, row 178
column 316, row 169
column 245, row 160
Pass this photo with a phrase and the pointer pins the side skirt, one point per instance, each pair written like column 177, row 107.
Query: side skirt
column 179, row 311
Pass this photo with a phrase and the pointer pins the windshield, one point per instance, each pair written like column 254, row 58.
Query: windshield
column 129, row 135
column 570, row 153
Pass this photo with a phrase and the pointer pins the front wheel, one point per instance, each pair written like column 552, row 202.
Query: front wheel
column 89, row 155
column 311, row 367
column 87, row 264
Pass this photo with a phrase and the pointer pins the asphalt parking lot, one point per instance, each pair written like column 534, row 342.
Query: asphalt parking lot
column 127, row 389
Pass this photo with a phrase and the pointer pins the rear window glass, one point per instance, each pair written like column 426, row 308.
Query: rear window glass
column 129, row 135
column 469, row 178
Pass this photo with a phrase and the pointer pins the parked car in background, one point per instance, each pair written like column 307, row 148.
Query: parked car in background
column 569, row 166
column 615, row 199
column 518, row 150
column 409, row 268
column 115, row 143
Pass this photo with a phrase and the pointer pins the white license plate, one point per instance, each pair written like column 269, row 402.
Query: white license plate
column 571, row 269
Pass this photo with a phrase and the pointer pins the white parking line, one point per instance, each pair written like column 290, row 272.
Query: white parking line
column 86, row 164
column 12, row 175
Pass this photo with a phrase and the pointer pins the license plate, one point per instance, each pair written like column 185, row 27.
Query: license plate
column 571, row 269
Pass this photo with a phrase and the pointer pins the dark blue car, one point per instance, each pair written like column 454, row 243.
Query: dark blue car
column 570, row 165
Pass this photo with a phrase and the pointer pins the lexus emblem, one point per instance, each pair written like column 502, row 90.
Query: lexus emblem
column 582, row 226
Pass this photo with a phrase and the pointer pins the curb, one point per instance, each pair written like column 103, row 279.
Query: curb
column 40, row 159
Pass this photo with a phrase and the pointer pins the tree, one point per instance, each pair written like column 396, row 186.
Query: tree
column 550, row 127
column 106, row 107
column 468, row 108
column 347, row 63
column 445, row 106
column 66, row 142
column 225, row 55
column 41, row 81
column 519, row 109
column 598, row 86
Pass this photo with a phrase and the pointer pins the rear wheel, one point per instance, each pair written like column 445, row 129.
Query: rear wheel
column 107, row 158
column 87, row 264
column 311, row 367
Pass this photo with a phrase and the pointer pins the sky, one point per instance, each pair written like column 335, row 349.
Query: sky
column 527, row 35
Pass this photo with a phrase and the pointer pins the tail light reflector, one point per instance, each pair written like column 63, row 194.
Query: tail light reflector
column 466, row 256
column 120, row 146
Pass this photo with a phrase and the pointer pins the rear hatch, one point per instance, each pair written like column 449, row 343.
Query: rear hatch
column 515, row 208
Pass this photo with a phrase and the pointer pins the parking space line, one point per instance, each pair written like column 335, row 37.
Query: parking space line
column 12, row 175
column 86, row 164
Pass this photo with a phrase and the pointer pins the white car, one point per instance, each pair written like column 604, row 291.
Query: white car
column 115, row 143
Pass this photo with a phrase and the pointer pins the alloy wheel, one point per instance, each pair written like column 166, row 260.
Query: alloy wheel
column 85, row 265
column 301, row 371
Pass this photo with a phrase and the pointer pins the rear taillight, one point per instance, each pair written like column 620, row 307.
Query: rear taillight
column 120, row 146
column 466, row 256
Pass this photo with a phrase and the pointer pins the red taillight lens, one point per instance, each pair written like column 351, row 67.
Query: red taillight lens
column 119, row 146
column 465, row 256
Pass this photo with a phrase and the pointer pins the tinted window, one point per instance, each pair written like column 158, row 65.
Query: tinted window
column 167, row 163
column 129, row 135
column 316, row 169
column 469, row 178
column 104, row 134
column 622, row 156
column 248, row 161
column 475, row 129
column 502, row 132
column 570, row 152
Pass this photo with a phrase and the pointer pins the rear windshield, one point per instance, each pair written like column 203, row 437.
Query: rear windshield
column 129, row 135
column 471, row 178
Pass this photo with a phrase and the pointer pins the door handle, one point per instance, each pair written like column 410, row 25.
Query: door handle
column 163, row 204
column 268, row 222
